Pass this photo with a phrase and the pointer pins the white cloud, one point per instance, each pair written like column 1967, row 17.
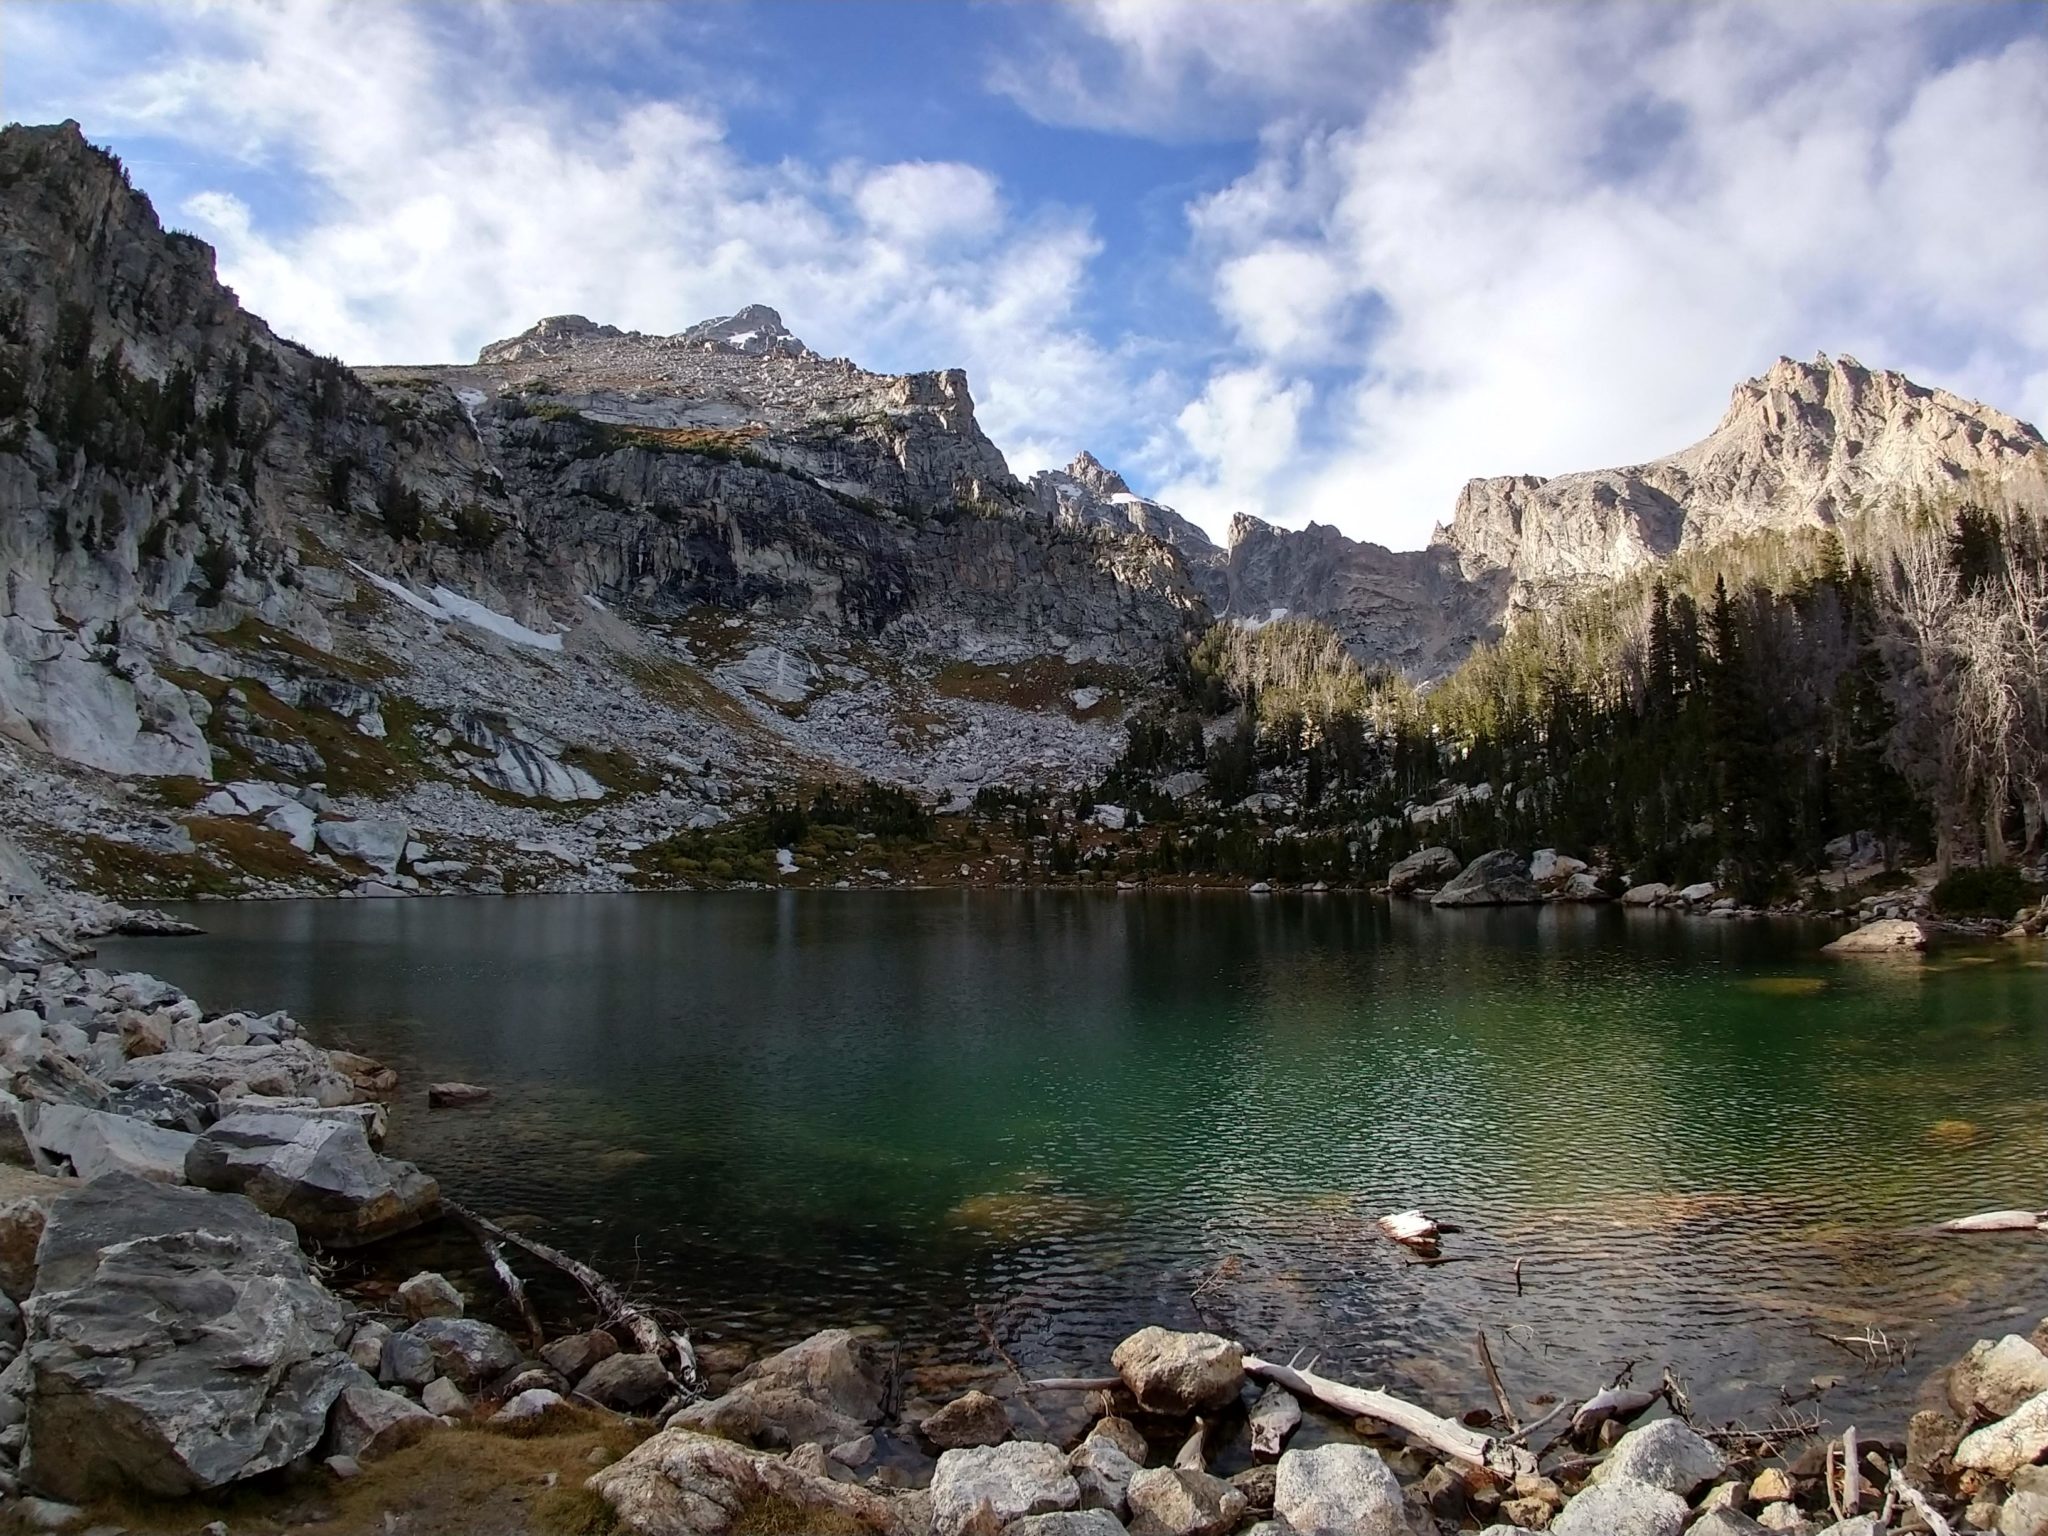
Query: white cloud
column 454, row 193
column 1565, row 244
column 1245, row 429
column 921, row 202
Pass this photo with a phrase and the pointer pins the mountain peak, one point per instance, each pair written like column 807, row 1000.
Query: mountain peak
column 1098, row 477
column 755, row 331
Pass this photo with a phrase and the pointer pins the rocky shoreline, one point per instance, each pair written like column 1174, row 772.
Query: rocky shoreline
column 169, row 1334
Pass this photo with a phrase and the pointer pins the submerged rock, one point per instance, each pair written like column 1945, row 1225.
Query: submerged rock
column 1886, row 936
column 178, row 1341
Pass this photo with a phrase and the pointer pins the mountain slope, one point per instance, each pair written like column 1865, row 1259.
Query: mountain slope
column 542, row 608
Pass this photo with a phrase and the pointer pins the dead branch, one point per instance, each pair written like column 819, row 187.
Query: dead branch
column 672, row 1350
column 1500, row 1392
column 1445, row 1436
column 1074, row 1384
column 1916, row 1501
column 515, row 1288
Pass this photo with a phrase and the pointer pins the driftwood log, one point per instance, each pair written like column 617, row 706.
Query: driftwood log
column 672, row 1349
column 514, row 1287
column 1997, row 1221
column 1905, row 1493
column 1447, row 1437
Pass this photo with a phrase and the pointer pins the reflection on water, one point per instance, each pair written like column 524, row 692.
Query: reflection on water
column 1700, row 1142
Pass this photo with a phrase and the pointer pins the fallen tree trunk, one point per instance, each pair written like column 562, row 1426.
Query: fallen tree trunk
column 1447, row 1437
column 673, row 1350
column 1074, row 1384
column 502, row 1268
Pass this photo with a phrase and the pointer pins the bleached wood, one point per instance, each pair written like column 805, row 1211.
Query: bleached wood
column 1447, row 1437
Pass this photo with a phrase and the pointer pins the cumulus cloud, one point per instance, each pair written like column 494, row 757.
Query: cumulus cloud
column 452, row 191
column 1565, row 244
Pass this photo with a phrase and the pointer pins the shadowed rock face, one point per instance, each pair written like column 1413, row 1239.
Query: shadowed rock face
column 177, row 1342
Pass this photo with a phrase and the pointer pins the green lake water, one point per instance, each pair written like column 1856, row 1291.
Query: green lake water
column 1062, row 1112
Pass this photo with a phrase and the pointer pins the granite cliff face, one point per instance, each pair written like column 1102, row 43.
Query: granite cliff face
column 1805, row 445
column 646, row 577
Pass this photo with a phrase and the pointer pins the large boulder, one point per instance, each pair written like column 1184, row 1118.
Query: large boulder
column 1886, row 936
column 2015, row 1441
column 1496, row 879
column 320, row 1175
column 1668, row 1454
column 681, row 1483
column 1335, row 1489
column 378, row 841
column 983, row 1489
column 96, row 1143
column 824, row 1391
column 1648, row 894
column 1621, row 1507
column 1995, row 1378
column 1423, row 870
column 1176, row 1501
column 177, row 1342
column 1180, row 1373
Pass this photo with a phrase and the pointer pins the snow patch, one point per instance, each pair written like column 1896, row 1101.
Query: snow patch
column 444, row 604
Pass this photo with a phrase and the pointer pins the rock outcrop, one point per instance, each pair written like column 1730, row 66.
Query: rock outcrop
column 178, row 1341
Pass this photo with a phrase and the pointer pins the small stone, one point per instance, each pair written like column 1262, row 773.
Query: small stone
column 1104, row 1474
column 854, row 1453
column 443, row 1399
column 972, row 1419
column 1931, row 1436
column 428, row 1295
column 366, row 1345
column 455, row 1095
column 1784, row 1518
column 1773, row 1485
column 1725, row 1522
column 48, row 1514
column 578, row 1352
column 531, row 1404
column 1122, row 1434
column 987, row 1487
column 343, row 1467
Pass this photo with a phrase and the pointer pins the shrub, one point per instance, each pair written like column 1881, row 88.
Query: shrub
column 1998, row 890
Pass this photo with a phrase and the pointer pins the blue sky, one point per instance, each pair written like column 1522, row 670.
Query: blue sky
column 1309, row 260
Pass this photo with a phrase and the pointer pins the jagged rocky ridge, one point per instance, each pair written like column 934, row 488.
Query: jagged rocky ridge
column 648, row 574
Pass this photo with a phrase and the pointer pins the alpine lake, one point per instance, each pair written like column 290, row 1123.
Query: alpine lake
column 1045, row 1119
